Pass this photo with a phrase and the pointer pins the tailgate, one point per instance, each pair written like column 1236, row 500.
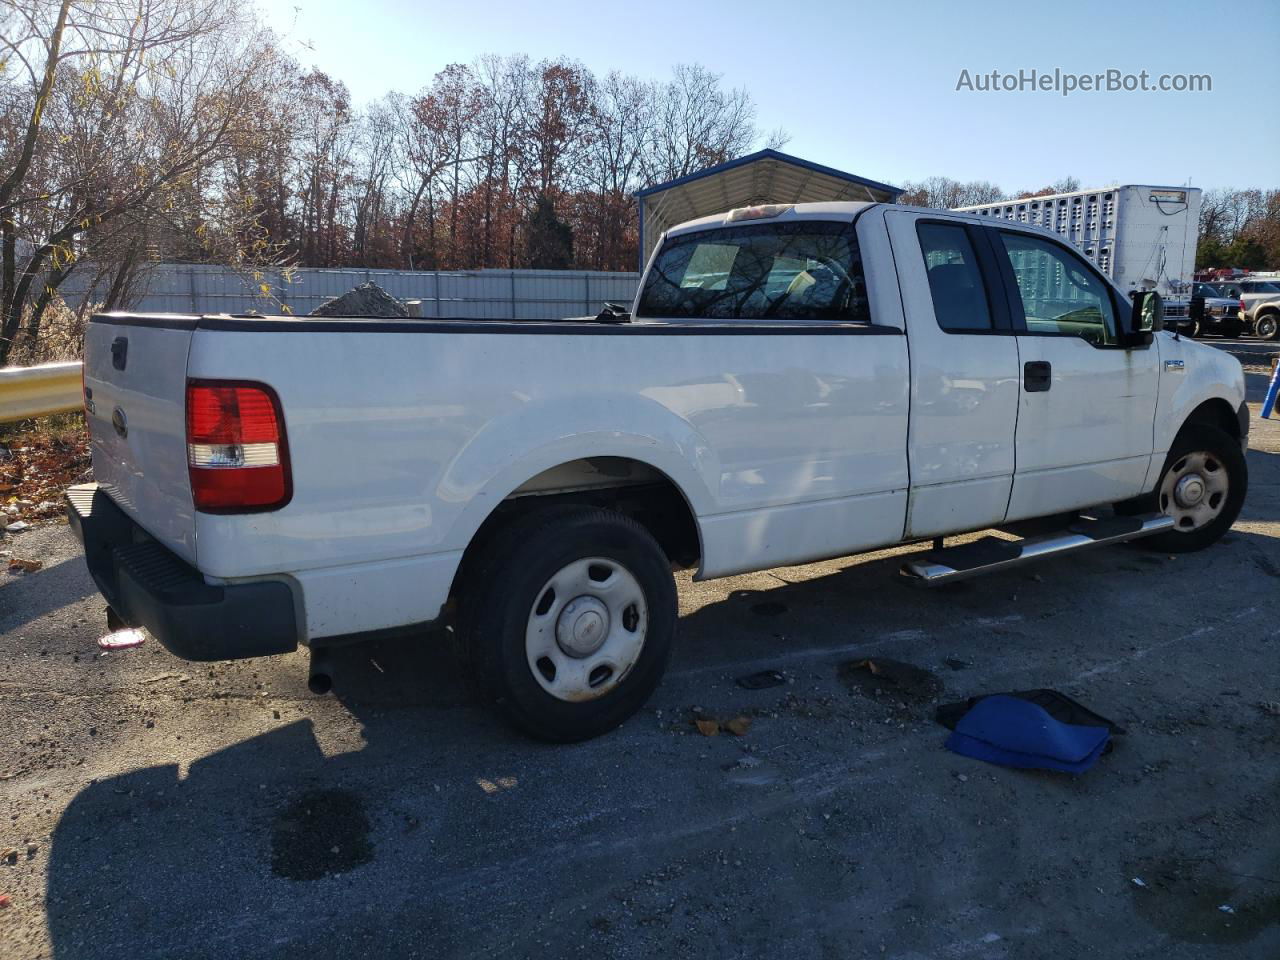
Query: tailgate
column 135, row 377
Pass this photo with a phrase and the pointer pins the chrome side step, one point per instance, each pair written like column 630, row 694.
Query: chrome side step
column 991, row 553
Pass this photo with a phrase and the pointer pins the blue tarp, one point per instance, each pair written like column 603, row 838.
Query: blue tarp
column 1017, row 733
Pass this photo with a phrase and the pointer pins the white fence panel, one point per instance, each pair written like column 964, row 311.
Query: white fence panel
column 472, row 294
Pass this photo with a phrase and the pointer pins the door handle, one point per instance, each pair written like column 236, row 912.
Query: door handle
column 1037, row 376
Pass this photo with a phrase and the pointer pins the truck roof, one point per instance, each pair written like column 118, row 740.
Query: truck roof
column 832, row 210
column 844, row 210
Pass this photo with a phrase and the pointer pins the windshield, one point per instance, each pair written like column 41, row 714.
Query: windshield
column 1257, row 286
column 810, row 270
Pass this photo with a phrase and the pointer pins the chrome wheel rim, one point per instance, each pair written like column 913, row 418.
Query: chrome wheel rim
column 586, row 629
column 1194, row 491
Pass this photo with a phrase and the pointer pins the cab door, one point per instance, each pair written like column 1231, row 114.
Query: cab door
column 1086, row 406
column 964, row 374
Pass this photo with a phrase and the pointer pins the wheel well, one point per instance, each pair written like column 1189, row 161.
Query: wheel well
column 630, row 487
column 1216, row 413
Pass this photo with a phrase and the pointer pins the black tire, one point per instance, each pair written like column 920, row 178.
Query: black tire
column 1267, row 326
column 511, row 575
column 1225, row 451
column 1194, row 330
column 1231, row 329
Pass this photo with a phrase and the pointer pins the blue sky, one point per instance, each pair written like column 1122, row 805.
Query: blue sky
column 871, row 88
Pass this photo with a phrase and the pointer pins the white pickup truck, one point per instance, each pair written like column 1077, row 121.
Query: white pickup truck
column 792, row 383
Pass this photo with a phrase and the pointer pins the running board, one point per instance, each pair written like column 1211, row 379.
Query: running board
column 991, row 553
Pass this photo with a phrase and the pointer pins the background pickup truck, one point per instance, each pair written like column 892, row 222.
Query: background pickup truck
column 1259, row 304
column 792, row 383
column 1205, row 311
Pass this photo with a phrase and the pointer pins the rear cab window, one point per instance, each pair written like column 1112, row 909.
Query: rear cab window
column 960, row 301
column 807, row 270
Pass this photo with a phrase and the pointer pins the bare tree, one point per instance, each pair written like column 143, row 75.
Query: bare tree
column 698, row 124
column 121, row 103
column 324, row 141
column 622, row 119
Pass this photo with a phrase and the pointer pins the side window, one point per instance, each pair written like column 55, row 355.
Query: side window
column 1060, row 295
column 806, row 270
column 955, row 280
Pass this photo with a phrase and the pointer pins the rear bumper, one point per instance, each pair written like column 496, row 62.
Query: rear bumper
column 150, row 586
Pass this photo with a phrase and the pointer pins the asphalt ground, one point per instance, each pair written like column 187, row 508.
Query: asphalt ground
column 155, row 808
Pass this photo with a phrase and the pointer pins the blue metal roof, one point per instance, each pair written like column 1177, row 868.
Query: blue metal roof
column 768, row 154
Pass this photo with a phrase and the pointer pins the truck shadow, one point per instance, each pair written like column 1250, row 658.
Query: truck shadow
column 274, row 848
column 47, row 589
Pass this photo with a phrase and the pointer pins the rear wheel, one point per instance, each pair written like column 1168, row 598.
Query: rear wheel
column 1267, row 326
column 1231, row 329
column 567, row 621
column 1202, row 486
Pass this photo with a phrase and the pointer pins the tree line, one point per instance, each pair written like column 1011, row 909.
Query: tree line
column 1239, row 228
column 141, row 130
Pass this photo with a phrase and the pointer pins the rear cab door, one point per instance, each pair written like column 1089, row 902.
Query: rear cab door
column 964, row 374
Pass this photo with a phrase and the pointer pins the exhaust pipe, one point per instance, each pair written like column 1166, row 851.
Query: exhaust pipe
column 320, row 678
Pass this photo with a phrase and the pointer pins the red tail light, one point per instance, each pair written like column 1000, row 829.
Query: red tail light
column 236, row 450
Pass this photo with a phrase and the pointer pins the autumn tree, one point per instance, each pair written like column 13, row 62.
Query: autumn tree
column 943, row 193
column 1239, row 228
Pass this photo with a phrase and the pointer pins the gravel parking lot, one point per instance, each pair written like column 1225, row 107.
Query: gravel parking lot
column 155, row 808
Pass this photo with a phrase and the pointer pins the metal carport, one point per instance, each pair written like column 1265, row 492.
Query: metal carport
column 767, row 176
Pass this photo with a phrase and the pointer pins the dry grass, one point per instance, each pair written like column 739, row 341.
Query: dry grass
column 38, row 460
column 61, row 336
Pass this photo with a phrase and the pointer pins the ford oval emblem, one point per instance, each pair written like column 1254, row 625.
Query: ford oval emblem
column 120, row 422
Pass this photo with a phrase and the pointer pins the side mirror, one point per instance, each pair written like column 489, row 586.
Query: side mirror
column 1147, row 315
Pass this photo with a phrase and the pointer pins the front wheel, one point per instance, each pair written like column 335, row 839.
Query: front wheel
column 1202, row 486
column 1267, row 326
column 567, row 621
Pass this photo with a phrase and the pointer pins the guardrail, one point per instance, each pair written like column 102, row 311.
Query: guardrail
column 39, row 391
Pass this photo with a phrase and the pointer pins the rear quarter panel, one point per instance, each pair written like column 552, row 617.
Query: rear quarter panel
column 402, row 443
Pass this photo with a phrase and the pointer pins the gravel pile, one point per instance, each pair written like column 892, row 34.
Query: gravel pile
column 366, row 300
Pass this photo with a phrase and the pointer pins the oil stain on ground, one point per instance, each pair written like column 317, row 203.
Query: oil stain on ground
column 321, row 832
column 882, row 677
column 1193, row 901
